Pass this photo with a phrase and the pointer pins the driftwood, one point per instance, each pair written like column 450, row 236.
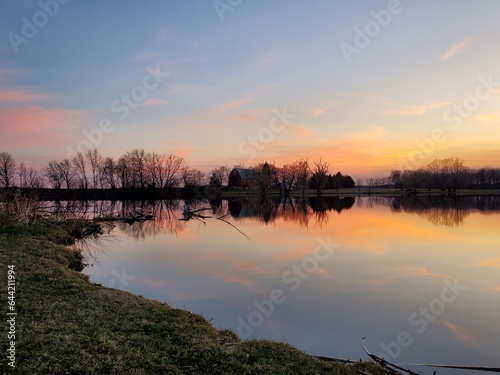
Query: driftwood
column 188, row 214
column 393, row 368
column 221, row 218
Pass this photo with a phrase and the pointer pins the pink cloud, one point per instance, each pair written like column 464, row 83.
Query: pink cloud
column 21, row 96
column 318, row 112
column 457, row 48
column 184, row 151
column 34, row 126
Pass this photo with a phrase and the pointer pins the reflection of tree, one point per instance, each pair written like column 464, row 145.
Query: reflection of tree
column 447, row 217
column 166, row 214
column 439, row 210
column 288, row 208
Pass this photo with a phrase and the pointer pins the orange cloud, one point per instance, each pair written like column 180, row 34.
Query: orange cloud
column 457, row 48
column 300, row 131
column 21, row 96
column 154, row 101
column 461, row 333
column 489, row 117
column 491, row 263
column 225, row 107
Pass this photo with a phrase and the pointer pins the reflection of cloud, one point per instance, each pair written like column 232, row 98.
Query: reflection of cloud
column 461, row 333
column 496, row 289
column 403, row 273
column 457, row 48
column 237, row 279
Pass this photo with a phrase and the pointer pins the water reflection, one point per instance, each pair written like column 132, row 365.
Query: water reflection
column 441, row 211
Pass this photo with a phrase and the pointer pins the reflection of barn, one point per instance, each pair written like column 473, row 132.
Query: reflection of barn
column 242, row 178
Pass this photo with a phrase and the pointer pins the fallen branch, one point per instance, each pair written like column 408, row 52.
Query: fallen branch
column 227, row 222
column 386, row 364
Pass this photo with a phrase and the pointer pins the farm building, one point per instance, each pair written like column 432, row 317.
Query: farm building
column 242, row 178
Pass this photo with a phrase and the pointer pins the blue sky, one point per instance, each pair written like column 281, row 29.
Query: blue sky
column 392, row 103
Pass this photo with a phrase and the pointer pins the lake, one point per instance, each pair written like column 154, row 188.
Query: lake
column 418, row 276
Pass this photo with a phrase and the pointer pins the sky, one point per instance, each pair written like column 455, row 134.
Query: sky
column 368, row 86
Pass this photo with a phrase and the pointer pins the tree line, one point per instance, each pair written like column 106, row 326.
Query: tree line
column 138, row 169
column 443, row 174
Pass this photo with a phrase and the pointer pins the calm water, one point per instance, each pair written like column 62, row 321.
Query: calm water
column 322, row 274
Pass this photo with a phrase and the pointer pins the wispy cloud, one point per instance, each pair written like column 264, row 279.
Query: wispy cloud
column 318, row 112
column 491, row 117
column 491, row 263
column 22, row 96
column 225, row 107
column 154, row 101
column 459, row 47
column 32, row 127
column 415, row 110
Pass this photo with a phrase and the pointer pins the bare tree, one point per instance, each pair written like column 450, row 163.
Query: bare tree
column 95, row 160
column 79, row 165
column 303, row 173
column 220, row 175
column 172, row 166
column 59, row 174
column 109, row 172
column 22, row 173
column 67, row 173
column 7, row 169
column 192, row 177
column 320, row 175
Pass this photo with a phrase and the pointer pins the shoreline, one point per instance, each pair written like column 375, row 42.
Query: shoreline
column 207, row 192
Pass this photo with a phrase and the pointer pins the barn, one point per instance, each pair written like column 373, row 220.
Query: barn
column 242, row 178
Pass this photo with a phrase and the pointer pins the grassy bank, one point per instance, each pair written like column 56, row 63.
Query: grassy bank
column 67, row 325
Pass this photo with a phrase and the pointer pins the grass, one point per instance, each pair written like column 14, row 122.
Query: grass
column 67, row 325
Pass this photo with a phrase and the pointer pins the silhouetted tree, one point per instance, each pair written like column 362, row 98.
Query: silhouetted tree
column 7, row 169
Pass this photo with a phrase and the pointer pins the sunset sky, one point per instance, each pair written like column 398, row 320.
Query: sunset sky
column 368, row 85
